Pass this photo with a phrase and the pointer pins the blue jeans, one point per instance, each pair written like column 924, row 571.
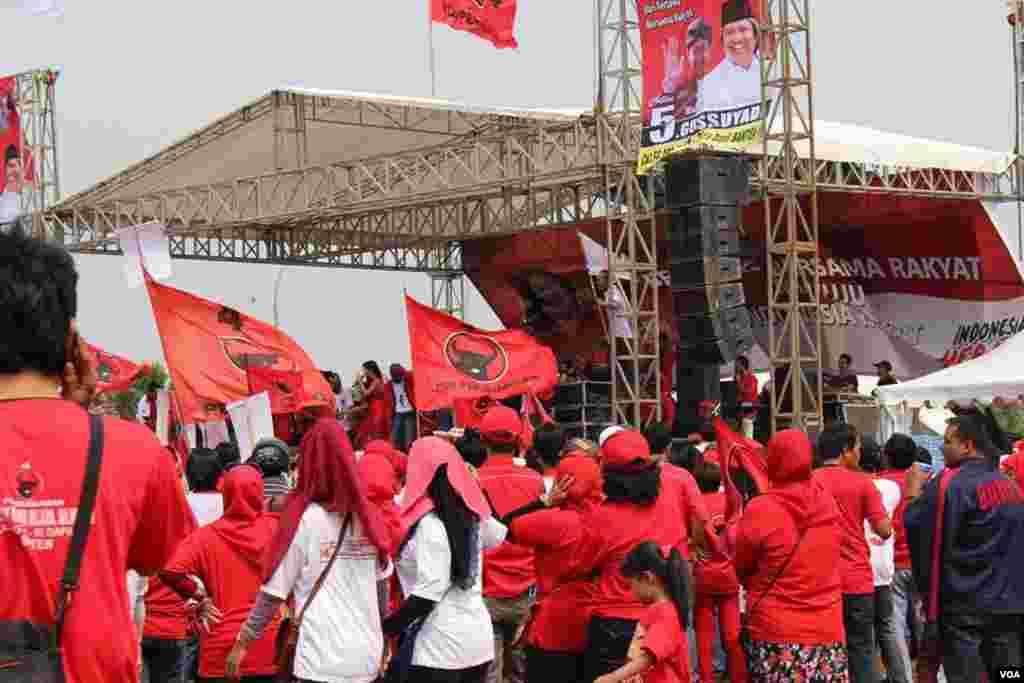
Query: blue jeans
column 904, row 606
column 895, row 652
column 403, row 430
column 859, row 620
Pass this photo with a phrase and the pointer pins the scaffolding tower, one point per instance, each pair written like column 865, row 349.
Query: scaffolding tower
column 34, row 99
column 791, row 216
column 630, row 226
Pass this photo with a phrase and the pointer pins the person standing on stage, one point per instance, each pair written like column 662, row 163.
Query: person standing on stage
column 746, row 395
column 403, row 422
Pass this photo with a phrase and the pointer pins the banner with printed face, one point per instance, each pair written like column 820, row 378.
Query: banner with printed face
column 922, row 283
column 702, row 76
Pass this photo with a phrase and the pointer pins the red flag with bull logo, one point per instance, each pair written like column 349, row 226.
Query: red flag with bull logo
column 113, row 373
column 492, row 20
column 212, row 351
column 454, row 361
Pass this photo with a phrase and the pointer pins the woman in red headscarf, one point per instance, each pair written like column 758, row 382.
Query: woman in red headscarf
column 556, row 631
column 787, row 557
column 376, row 407
column 328, row 528
column 448, row 525
column 382, row 469
column 227, row 557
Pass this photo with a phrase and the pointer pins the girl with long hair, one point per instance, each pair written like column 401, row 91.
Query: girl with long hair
column 658, row 653
column 447, row 525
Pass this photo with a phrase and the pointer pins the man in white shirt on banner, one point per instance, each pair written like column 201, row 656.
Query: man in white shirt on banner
column 403, row 424
column 736, row 82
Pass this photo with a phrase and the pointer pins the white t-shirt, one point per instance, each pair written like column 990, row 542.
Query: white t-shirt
column 622, row 324
column 207, row 507
column 730, row 86
column 343, row 404
column 341, row 639
column 402, row 404
column 458, row 633
column 883, row 553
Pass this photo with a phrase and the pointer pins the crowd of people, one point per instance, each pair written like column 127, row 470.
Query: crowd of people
column 501, row 554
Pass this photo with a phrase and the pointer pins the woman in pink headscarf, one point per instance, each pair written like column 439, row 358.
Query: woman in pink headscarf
column 447, row 525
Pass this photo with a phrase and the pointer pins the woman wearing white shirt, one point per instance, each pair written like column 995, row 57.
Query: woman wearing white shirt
column 340, row 639
column 448, row 525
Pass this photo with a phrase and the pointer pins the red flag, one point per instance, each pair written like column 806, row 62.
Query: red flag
column 209, row 348
column 453, row 360
column 114, row 374
column 284, row 387
column 492, row 20
column 739, row 452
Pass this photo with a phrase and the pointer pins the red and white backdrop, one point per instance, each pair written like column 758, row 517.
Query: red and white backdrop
column 919, row 282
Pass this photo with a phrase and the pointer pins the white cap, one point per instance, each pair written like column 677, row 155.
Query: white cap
column 608, row 433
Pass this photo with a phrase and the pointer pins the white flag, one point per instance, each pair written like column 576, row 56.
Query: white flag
column 252, row 421
column 146, row 246
column 43, row 8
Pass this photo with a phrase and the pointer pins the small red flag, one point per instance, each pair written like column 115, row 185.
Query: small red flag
column 492, row 20
column 114, row 374
column 455, row 361
column 211, row 349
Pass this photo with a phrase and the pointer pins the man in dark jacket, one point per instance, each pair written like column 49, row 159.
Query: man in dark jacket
column 979, row 524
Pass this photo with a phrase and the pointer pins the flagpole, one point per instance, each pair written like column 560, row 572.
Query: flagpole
column 433, row 65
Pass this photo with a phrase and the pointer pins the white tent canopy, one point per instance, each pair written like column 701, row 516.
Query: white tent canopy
column 998, row 373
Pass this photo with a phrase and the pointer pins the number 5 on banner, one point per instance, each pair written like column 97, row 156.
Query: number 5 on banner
column 663, row 124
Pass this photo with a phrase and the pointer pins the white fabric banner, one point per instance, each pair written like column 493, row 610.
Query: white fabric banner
column 163, row 416
column 252, row 421
column 146, row 246
column 42, row 8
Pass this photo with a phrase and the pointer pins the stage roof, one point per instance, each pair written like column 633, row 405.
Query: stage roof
column 344, row 126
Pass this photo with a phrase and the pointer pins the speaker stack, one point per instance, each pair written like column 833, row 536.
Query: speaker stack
column 706, row 195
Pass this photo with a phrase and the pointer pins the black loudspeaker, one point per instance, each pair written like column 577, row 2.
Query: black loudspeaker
column 707, row 194
column 709, row 179
column 694, row 383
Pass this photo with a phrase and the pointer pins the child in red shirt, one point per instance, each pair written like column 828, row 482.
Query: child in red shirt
column 658, row 653
column 718, row 589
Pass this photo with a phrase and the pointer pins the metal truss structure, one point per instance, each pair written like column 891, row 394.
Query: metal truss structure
column 34, row 100
column 353, row 180
column 632, row 292
column 791, row 216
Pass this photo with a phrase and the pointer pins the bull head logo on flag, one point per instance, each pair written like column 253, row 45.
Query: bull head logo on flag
column 475, row 355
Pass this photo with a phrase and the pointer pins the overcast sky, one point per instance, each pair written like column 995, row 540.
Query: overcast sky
column 140, row 75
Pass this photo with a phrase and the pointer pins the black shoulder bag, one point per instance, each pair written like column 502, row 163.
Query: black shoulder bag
column 31, row 653
column 745, row 640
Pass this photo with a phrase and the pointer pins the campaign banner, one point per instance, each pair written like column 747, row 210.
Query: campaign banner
column 920, row 282
column 701, row 75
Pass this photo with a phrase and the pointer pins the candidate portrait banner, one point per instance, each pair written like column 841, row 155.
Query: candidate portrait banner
column 702, row 77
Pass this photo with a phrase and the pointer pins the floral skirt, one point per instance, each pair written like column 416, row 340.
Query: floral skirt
column 795, row 663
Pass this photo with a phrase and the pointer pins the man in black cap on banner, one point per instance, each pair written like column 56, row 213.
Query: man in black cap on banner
column 736, row 82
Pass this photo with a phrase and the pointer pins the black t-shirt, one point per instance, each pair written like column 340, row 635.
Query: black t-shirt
column 887, row 381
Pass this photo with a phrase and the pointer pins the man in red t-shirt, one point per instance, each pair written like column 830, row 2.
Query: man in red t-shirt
column 509, row 573
column 746, row 395
column 898, row 456
column 859, row 501
column 140, row 513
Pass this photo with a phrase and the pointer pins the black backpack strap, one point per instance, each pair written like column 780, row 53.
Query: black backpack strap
column 83, row 522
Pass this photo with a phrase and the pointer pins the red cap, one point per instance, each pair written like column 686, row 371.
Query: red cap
column 626, row 451
column 502, row 425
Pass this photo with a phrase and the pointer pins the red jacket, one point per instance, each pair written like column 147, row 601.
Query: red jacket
column 562, row 611
column 509, row 569
column 612, row 531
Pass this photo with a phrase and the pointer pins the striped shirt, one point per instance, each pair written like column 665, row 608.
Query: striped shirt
column 275, row 486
